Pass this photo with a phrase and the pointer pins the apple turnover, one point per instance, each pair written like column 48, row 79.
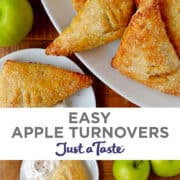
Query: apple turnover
column 70, row 170
column 146, row 54
column 97, row 23
column 170, row 11
column 37, row 85
column 78, row 4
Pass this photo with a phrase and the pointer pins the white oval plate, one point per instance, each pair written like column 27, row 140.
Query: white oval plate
column 83, row 98
column 98, row 61
column 91, row 166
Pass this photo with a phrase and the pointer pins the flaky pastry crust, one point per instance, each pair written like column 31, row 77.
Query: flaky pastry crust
column 70, row 170
column 146, row 54
column 78, row 4
column 97, row 23
column 170, row 11
column 37, row 85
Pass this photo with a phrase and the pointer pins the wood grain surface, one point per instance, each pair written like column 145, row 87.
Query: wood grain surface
column 41, row 35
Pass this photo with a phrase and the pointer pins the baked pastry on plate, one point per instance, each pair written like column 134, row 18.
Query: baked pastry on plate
column 70, row 170
column 146, row 54
column 97, row 23
column 25, row 84
column 170, row 11
column 78, row 4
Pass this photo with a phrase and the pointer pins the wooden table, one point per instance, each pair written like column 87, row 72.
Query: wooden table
column 41, row 35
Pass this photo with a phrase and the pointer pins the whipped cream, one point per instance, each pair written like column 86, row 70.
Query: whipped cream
column 39, row 170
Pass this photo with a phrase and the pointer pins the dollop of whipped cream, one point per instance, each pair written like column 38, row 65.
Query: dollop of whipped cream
column 39, row 170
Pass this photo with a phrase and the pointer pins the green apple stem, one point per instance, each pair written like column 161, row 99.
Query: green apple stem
column 137, row 163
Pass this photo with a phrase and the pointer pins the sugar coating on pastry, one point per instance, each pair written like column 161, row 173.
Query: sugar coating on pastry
column 170, row 11
column 70, row 170
column 25, row 84
column 97, row 23
column 78, row 4
column 146, row 53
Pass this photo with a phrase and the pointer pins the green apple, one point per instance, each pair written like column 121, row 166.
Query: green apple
column 166, row 168
column 16, row 19
column 131, row 170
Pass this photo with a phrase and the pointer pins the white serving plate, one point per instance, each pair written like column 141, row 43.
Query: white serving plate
column 98, row 61
column 83, row 98
column 91, row 166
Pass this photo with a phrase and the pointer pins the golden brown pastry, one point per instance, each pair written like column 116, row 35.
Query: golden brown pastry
column 97, row 23
column 70, row 170
column 137, row 2
column 78, row 4
column 37, row 85
column 146, row 54
column 170, row 11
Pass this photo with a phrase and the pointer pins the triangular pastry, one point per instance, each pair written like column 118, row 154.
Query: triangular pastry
column 78, row 4
column 37, row 85
column 70, row 170
column 97, row 23
column 146, row 54
column 170, row 11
